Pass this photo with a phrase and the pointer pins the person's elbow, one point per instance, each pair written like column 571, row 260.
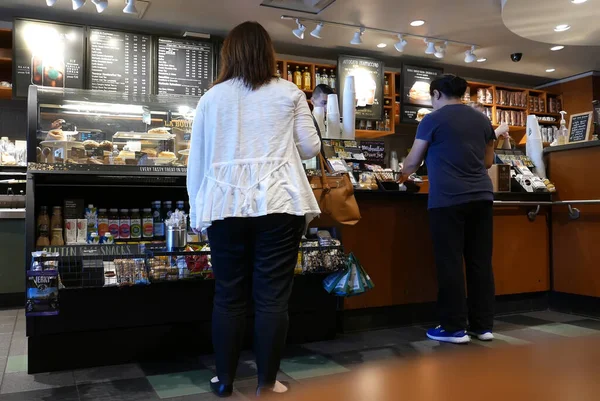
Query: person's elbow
column 310, row 150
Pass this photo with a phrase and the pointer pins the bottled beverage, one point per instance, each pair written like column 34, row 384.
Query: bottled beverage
column 136, row 224
column 113, row 155
column 306, row 80
column 278, row 73
column 298, row 77
column 317, row 78
column 388, row 122
column 167, row 209
column 113, row 223
column 159, row 223
column 325, row 77
column 57, row 237
column 147, row 224
column 386, row 88
column 332, row 79
column 43, row 228
column 180, row 205
column 103, row 223
column 124, row 224
column 289, row 75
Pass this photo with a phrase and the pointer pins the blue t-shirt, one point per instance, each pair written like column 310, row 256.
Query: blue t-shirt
column 457, row 137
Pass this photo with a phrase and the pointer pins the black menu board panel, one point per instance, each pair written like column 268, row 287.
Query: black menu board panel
column 120, row 62
column 416, row 82
column 414, row 114
column 368, row 81
column 185, row 67
column 48, row 54
column 580, row 127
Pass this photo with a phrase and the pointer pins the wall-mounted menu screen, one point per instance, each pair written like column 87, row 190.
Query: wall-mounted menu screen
column 368, row 81
column 414, row 114
column 185, row 67
column 416, row 83
column 48, row 54
column 120, row 62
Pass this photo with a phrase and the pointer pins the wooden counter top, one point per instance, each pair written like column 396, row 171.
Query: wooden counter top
column 572, row 146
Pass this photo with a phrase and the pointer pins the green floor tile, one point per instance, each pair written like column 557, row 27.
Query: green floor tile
column 16, row 364
column 565, row 330
column 310, row 366
column 181, row 384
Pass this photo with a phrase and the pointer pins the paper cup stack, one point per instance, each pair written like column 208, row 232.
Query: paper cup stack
column 349, row 112
column 319, row 114
column 333, row 117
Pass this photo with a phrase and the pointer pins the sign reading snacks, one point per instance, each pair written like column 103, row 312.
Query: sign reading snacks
column 368, row 82
column 47, row 54
column 580, row 127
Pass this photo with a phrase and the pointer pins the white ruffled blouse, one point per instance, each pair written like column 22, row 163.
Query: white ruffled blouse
column 246, row 153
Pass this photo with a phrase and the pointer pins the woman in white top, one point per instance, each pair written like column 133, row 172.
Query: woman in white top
column 247, row 185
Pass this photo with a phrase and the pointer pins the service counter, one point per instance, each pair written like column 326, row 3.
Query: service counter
column 575, row 252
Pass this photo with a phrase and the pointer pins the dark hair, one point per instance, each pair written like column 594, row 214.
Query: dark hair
column 248, row 55
column 322, row 89
column 450, row 85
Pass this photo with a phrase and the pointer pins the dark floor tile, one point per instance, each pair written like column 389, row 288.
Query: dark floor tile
column 246, row 366
column 500, row 326
column 523, row 320
column 108, row 373
column 55, row 394
column 533, row 336
column 121, row 390
column 154, row 368
column 19, row 382
column 587, row 323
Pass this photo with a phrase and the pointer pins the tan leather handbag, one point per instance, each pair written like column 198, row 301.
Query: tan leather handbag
column 335, row 195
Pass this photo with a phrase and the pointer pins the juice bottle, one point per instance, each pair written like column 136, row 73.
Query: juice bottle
column 167, row 210
column 136, row 224
column 332, row 79
column 56, row 221
column 91, row 215
column 298, row 77
column 159, row 223
column 147, row 224
column 113, row 223
column 103, row 224
column 124, row 224
column 43, row 228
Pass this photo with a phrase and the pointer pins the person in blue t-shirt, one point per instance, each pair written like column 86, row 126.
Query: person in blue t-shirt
column 457, row 143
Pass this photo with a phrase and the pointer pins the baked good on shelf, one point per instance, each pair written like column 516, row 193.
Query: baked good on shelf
column 55, row 135
column 167, row 155
column 106, row 145
column 159, row 130
column 126, row 154
column 420, row 92
column 93, row 160
column 90, row 144
column 150, row 152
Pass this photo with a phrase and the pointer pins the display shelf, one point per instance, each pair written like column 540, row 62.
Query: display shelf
column 549, row 122
column 510, row 107
column 546, row 114
column 372, row 134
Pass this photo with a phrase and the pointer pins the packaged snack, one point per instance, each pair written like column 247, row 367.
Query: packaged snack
column 42, row 293
column 70, row 231
column 82, row 232
column 131, row 272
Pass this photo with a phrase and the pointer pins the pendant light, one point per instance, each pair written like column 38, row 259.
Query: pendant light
column 50, row 3
column 430, row 47
column 130, row 7
column 441, row 51
column 356, row 39
column 316, row 33
column 100, row 5
column 77, row 4
column 299, row 32
column 401, row 44
column 470, row 55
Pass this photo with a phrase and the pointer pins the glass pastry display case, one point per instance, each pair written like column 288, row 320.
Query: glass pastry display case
column 78, row 129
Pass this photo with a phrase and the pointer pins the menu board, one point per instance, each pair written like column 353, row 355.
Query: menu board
column 416, row 82
column 120, row 62
column 580, row 127
column 374, row 151
column 414, row 114
column 368, row 82
column 48, row 54
column 184, row 67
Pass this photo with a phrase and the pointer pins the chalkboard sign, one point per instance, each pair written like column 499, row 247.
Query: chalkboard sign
column 120, row 62
column 580, row 127
column 374, row 151
column 184, row 66
column 48, row 54
column 368, row 81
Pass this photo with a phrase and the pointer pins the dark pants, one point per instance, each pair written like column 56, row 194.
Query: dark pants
column 464, row 231
column 255, row 255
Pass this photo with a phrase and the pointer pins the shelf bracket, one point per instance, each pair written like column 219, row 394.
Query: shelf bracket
column 574, row 213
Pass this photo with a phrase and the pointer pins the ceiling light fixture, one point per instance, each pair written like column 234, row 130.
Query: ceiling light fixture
column 441, row 50
column 470, row 55
column 50, row 3
column 316, row 33
column 77, row 4
column 418, row 22
column 578, row 1
column 430, row 47
column 100, row 5
column 401, row 44
column 562, row 28
column 299, row 32
column 551, row 70
column 356, row 39
column 130, row 7
column 382, row 45
column 482, row 60
column 557, row 48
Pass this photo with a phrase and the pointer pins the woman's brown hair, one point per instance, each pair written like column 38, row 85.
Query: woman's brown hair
column 248, row 55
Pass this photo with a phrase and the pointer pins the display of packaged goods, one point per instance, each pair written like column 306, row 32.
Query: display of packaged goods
column 131, row 271
column 42, row 293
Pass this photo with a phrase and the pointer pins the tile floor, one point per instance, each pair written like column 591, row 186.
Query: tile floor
column 187, row 380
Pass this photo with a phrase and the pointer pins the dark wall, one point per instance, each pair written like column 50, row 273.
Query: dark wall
column 13, row 119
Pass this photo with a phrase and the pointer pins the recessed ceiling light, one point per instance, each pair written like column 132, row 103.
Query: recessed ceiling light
column 578, row 1
column 551, row 70
column 418, row 22
column 382, row 45
column 562, row 28
column 557, row 48
column 482, row 60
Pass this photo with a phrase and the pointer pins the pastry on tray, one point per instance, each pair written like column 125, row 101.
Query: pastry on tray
column 150, row 152
column 167, row 155
column 106, row 145
column 126, row 154
column 55, row 135
column 159, row 130
column 90, row 144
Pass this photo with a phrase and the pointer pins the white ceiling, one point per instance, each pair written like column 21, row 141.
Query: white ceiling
column 473, row 21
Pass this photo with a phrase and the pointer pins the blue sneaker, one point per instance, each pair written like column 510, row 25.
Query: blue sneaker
column 486, row 335
column 439, row 334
